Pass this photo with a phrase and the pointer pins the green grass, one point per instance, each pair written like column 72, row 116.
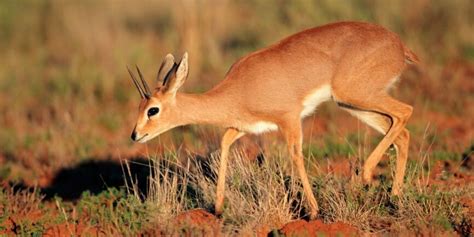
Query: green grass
column 330, row 148
column 266, row 194
column 113, row 208
column 65, row 96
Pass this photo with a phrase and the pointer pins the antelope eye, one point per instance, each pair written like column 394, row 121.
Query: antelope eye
column 153, row 111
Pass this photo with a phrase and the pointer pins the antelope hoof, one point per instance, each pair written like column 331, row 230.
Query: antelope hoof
column 313, row 215
column 218, row 210
column 367, row 178
column 396, row 191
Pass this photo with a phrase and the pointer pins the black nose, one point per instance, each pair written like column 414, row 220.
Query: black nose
column 134, row 135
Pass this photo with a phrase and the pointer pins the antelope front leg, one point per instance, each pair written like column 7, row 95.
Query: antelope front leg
column 294, row 138
column 230, row 136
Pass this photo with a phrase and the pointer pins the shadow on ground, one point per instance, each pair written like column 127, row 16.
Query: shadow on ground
column 96, row 176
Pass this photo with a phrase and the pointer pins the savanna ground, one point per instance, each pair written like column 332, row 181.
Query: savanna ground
column 67, row 107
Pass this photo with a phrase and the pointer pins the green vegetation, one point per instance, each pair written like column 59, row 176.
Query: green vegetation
column 331, row 148
column 66, row 98
column 257, row 195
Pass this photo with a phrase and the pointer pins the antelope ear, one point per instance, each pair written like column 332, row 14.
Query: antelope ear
column 176, row 76
column 165, row 67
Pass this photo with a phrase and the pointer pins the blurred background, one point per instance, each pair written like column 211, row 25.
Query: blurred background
column 66, row 97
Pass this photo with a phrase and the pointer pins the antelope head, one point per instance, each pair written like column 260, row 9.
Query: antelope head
column 157, row 112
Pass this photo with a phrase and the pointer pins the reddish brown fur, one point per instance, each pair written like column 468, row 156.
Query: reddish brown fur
column 357, row 60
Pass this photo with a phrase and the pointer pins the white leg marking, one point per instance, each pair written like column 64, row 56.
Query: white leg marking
column 370, row 118
column 315, row 98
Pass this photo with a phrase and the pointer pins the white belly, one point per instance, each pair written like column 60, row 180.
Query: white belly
column 260, row 127
column 315, row 98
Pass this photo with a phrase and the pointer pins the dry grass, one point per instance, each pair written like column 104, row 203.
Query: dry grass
column 65, row 98
column 268, row 194
column 259, row 195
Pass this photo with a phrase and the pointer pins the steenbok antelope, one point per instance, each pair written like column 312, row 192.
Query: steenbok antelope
column 351, row 63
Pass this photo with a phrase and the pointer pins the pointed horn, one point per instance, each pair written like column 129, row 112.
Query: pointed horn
column 136, row 83
column 147, row 91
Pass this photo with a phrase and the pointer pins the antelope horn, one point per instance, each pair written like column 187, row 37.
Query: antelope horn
column 135, row 82
column 147, row 91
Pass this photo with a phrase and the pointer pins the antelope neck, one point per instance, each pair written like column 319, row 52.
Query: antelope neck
column 204, row 108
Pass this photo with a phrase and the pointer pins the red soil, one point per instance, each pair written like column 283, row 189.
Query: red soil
column 12, row 223
column 262, row 230
column 454, row 175
column 67, row 229
column 198, row 221
column 9, row 226
column 317, row 228
column 468, row 204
